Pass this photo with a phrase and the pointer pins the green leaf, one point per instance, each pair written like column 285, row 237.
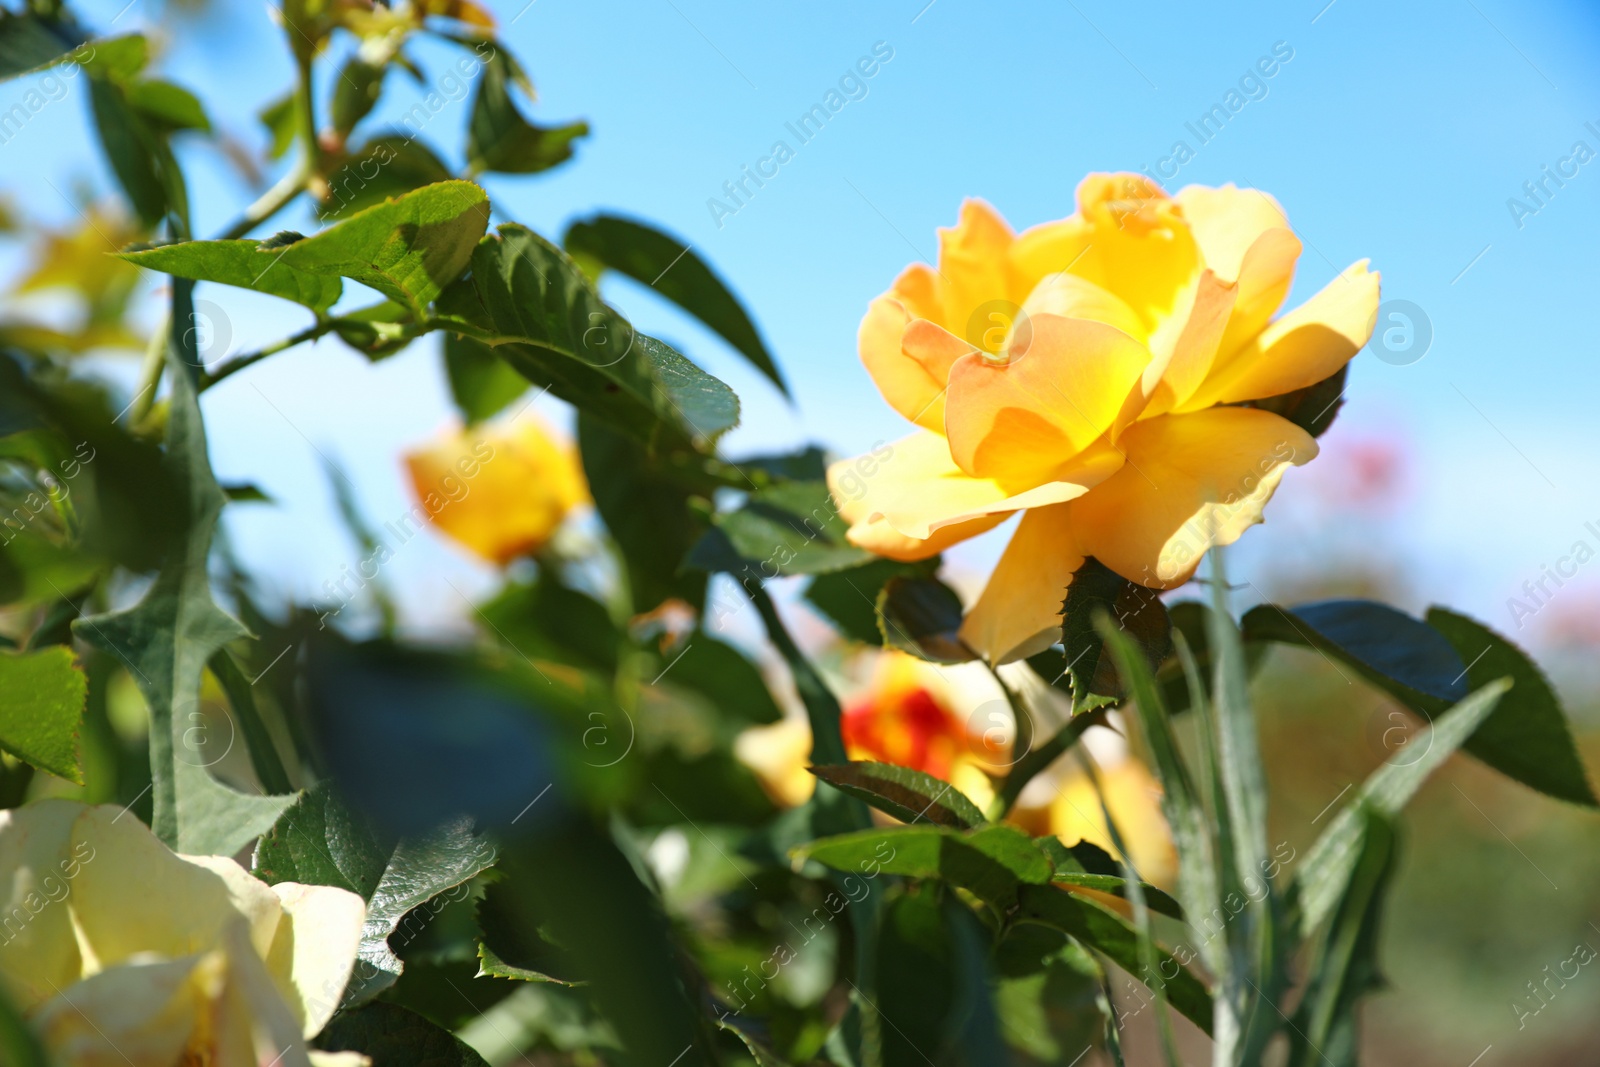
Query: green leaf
column 513, row 946
column 394, row 1037
column 909, row 795
column 1232, row 750
column 319, row 841
column 647, row 511
column 990, row 861
column 1180, row 801
column 166, row 638
column 244, row 264
column 1313, row 408
column 1038, row 758
column 355, row 93
column 760, row 1053
column 492, row 966
column 408, row 248
column 500, row 139
column 1323, row 875
column 282, row 120
column 118, row 58
column 1108, row 933
column 1344, row 964
column 167, row 106
column 383, row 167
column 1191, row 619
column 1116, row 885
column 1526, row 737
column 849, row 598
column 544, row 619
column 30, row 42
column 139, row 158
column 785, row 529
column 529, row 300
column 922, row 616
column 481, row 383
column 671, row 268
column 723, row 675
column 42, row 696
column 1097, row 588
column 1399, row 654
column 917, row 973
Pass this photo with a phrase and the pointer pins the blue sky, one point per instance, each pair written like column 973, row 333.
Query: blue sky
column 1395, row 132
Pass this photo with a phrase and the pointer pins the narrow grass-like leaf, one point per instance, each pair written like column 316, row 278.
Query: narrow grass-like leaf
column 1325, row 871
column 1344, row 966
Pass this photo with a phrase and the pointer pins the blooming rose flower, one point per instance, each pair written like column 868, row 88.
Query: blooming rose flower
column 121, row 953
column 1089, row 373
column 500, row 493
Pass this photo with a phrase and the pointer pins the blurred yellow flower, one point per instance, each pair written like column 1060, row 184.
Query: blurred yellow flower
column 1073, row 813
column 904, row 716
column 1087, row 373
column 121, row 953
column 499, row 492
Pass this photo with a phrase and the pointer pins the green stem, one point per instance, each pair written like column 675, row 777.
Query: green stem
column 270, row 203
column 1029, row 766
column 239, row 363
column 264, row 756
column 155, row 360
column 839, row 814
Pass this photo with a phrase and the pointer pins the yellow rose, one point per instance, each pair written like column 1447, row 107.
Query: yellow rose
column 1073, row 813
column 1086, row 372
column 121, row 953
column 906, row 715
column 499, row 492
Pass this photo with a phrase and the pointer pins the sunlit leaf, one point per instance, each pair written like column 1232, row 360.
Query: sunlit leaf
column 529, row 300
column 909, row 795
column 242, row 263
column 408, row 248
column 41, row 708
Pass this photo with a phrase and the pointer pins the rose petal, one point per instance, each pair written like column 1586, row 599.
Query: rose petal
column 1307, row 345
column 1019, row 612
column 1191, row 482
